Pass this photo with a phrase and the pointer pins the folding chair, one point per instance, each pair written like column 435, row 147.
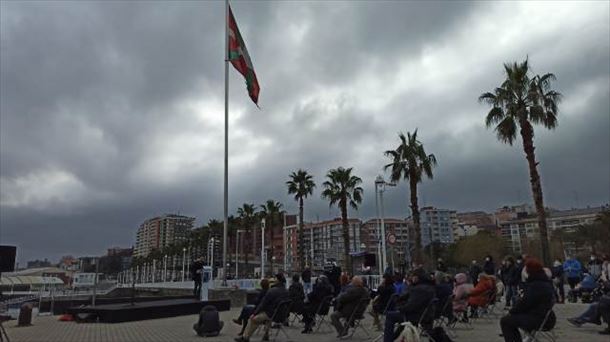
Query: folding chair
column 390, row 305
column 322, row 313
column 280, row 315
column 541, row 332
column 423, row 327
column 355, row 318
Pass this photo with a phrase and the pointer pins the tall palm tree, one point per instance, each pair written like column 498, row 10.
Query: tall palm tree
column 342, row 188
column 301, row 185
column 411, row 163
column 247, row 216
column 272, row 212
column 519, row 103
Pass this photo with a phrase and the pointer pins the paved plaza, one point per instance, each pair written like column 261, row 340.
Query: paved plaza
column 49, row 329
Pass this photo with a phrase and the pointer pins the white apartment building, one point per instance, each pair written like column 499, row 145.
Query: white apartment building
column 161, row 231
column 437, row 225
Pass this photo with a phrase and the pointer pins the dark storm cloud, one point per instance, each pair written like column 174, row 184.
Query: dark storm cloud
column 111, row 112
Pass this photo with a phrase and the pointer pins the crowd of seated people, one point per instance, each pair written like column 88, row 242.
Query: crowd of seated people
column 421, row 297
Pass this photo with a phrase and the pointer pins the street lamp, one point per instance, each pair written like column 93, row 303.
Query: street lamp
column 262, row 248
column 237, row 253
column 380, row 185
column 165, row 268
column 154, row 270
column 183, row 257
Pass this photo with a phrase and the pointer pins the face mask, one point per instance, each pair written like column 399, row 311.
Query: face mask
column 556, row 263
column 524, row 275
column 592, row 258
column 486, row 259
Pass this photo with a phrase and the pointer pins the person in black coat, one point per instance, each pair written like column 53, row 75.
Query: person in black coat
column 209, row 323
column 512, row 277
column 347, row 302
column 297, row 295
column 196, row 270
column 558, row 282
column 248, row 309
column 411, row 305
column 530, row 310
column 264, row 311
column 321, row 289
column 385, row 290
column 489, row 267
column 474, row 272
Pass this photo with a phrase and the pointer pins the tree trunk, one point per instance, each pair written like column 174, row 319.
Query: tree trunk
column 527, row 134
column 301, row 236
column 417, row 257
column 348, row 262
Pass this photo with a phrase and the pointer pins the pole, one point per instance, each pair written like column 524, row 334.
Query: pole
column 311, row 245
column 97, row 264
column 262, row 248
column 165, row 268
column 226, row 175
column 183, row 256
column 154, row 270
column 212, row 260
column 379, row 261
column 383, row 238
column 236, row 254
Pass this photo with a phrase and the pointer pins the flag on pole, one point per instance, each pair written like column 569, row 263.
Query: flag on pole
column 239, row 57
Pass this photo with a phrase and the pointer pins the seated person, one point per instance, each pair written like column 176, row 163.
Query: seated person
column 586, row 286
column 248, row 309
column 443, row 292
column 321, row 289
column 209, row 324
column 346, row 303
column 399, row 284
column 479, row 296
column 383, row 295
column 460, row 294
column 530, row 310
column 411, row 305
column 264, row 311
column 297, row 294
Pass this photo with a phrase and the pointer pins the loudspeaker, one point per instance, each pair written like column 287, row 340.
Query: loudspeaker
column 7, row 258
column 369, row 260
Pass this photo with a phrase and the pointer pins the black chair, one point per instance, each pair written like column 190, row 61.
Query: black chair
column 322, row 313
column 542, row 332
column 355, row 318
column 390, row 305
column 280, row 315
column 426, row 319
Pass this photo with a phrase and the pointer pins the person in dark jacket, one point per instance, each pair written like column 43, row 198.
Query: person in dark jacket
column 474, row 272
column 321, row 290
column 440, row 265
column 196, row 270
column 209, row 323
column 248, row 309
column 511, row 276
column 411, row 305
column 346, row 303
column 531, row 309
column 297, row 295
column 489, row 267
column 306, row 276
column 334, row 273
column 264, row 311
column 557, row 273
column 443, row 291
column 385, row 290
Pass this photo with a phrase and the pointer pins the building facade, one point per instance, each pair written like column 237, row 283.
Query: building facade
column 398, row 253
column 161, row 231
column 437, row 225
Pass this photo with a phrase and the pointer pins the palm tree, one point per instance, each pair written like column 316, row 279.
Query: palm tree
column 411, row 163
column 248, row 217
column 272, row 212
column 301, row 184
column 518, row 103
column 342, row 188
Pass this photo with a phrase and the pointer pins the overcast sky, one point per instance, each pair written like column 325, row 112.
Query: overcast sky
column 113, row 112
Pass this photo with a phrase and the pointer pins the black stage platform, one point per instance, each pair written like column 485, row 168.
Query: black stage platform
column 125, row 312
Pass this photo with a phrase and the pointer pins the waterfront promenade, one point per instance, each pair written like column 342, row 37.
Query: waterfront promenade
column 49, row 329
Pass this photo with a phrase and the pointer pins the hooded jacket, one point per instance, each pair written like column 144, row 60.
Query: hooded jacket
column 538, row 298
column 460, row 301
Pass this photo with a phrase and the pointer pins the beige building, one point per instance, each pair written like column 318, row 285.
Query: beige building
column 161, row 231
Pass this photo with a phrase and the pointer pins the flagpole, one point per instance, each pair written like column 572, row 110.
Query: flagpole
column 226, row 175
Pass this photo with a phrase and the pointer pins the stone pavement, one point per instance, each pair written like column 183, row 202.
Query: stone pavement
column 49, row 329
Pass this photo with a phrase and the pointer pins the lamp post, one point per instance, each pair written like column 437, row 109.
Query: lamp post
column 237, row 253
column 262, row 248
column 183, row 257
column 165, row 268
column 154, row 270
column 211, row 252
column 380, row 185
